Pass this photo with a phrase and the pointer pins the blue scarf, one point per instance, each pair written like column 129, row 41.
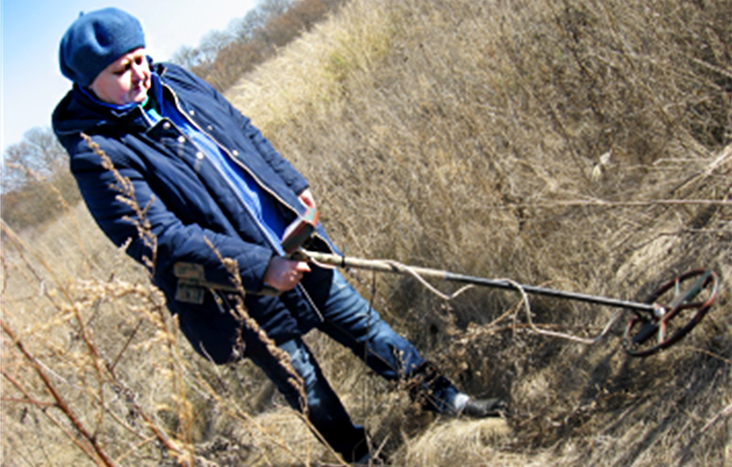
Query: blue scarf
column 260, row 204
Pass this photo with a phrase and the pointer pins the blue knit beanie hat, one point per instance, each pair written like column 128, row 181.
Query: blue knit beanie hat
column 95, row 40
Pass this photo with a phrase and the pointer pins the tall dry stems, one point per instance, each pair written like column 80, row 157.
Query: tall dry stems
column 572, row 144
column 576, row 144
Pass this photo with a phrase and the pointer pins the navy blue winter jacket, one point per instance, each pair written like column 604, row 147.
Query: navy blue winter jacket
column 192, row 207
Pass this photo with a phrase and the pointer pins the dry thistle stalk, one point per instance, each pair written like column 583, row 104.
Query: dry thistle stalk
column 241, row 314
column 127, row 196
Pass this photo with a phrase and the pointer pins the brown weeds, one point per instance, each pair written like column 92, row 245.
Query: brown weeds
column 558, row 143
column 579, row 144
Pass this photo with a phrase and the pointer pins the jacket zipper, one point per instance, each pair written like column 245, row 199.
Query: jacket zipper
column 254, row 177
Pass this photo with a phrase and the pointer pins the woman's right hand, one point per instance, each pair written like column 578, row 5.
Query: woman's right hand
column 283, row 274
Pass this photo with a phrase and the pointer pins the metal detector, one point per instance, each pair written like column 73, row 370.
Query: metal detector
column 671, row 311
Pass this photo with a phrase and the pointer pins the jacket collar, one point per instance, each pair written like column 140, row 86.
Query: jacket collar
column 80, row 111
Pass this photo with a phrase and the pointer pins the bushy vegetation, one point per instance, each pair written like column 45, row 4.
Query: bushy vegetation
column 36, row 183
column 223, row 56
column 579, row 144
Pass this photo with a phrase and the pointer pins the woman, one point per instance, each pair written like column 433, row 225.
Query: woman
column 212, row 186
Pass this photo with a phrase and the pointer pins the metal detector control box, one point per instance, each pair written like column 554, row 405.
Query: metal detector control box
column 300, row 231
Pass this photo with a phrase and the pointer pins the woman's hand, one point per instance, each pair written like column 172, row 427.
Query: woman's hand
column 306, row 197
column 284, row 274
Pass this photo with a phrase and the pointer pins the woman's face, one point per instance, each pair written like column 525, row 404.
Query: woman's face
column 125, row 80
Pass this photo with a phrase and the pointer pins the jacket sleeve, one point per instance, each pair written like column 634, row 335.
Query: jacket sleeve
column 125, row 207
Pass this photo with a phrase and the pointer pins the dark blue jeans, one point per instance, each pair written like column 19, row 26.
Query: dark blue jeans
column 350, row 320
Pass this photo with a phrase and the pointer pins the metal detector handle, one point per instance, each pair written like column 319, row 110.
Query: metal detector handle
column 428, row 273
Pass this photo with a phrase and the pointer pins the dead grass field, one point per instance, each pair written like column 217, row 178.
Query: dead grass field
column 583, row 145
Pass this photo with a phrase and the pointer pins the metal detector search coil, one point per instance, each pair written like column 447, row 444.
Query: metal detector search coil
column 681, row 304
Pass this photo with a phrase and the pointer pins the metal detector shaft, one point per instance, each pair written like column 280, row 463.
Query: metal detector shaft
column 394, row 267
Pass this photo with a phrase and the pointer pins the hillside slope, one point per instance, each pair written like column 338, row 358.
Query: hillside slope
column 576, row 144
column 539, row 142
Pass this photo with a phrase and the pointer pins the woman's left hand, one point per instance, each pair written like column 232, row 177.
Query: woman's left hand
column 306, row 197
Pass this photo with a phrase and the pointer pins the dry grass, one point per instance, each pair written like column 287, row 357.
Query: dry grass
column 469, row 136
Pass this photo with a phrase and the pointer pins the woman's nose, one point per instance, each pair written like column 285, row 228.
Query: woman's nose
column 139, row 71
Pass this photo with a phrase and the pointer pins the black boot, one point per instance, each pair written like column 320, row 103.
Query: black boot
column 427, row 380
column 484, row 408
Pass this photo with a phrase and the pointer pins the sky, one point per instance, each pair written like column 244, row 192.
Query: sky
column 31, row 30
